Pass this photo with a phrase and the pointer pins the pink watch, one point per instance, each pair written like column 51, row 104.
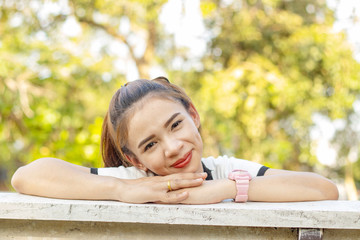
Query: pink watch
column 242, row 179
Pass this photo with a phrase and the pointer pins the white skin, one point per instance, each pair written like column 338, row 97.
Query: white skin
column 172, row 149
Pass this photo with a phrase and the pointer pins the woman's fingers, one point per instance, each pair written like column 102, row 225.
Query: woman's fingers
column 176, row 184
column 184, row 180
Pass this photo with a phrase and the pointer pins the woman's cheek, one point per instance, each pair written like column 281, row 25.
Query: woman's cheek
column 198, row 138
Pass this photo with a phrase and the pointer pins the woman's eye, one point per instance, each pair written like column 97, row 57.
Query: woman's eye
column 175, row 124
column 148, row 146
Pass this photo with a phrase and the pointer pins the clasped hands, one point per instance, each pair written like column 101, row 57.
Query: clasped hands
column 161, row 189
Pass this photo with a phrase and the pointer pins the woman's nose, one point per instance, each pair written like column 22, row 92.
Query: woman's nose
column 172, row 147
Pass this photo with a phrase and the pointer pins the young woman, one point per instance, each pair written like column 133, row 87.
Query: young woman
column 152, row 150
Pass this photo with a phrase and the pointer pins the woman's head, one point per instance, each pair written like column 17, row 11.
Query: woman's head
column 131, row 103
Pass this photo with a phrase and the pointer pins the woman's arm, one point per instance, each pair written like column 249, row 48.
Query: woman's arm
column 290, row 186
column 51, row 177
column 275, row 186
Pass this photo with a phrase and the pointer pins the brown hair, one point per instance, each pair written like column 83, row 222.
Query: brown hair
column 114, row 134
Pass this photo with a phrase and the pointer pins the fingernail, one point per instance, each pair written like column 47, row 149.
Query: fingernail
column 199, row 179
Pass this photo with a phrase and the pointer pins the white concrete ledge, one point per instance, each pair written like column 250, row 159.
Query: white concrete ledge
column 322, row 214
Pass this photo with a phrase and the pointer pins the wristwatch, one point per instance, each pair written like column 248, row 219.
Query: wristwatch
column 242, row 179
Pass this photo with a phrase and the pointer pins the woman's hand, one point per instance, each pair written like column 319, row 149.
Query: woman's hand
column 155, row 189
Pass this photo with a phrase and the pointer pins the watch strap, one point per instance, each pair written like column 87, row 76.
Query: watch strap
column 242, row 179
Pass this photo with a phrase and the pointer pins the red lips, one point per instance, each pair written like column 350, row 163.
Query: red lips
column 183, row 161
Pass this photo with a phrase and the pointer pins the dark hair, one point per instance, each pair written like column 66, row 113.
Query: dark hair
column 114, row 134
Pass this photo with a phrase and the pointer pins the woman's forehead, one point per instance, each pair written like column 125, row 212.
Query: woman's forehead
column 155, row 101
column 152, row 114
column 156, row 107
column 140, row 105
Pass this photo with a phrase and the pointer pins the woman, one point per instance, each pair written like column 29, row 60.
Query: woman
column 152, row 150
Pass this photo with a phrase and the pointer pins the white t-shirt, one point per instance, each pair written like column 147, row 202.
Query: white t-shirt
column 219, row 167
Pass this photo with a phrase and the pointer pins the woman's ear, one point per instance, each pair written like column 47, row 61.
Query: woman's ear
column 194, row 115
column 135, row 162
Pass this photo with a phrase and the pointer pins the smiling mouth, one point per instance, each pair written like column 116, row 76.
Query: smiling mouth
column 183, row 161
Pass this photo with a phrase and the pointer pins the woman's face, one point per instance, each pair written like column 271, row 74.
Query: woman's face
column 164, row 137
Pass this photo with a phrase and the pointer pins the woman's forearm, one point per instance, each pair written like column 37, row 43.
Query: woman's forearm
column 287, row 186
column 51, row 177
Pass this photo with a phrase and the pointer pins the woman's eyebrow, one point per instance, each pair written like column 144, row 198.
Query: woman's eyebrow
column 170, row 119
column 145, row 140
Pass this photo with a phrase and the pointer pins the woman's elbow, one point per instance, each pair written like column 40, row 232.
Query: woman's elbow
column 25, row 176
column 329, row 190
column 18, row 180
column 333, row 193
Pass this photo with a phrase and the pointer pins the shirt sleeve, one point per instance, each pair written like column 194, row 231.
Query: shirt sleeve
column 121, row 172
column 221, row 166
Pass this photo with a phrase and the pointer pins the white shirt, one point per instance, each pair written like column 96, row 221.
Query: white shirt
column 220, row 167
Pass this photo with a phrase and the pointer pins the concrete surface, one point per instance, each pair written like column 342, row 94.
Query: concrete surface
column 30, row 217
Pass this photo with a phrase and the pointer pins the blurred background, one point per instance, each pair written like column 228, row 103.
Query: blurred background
column 275, row 81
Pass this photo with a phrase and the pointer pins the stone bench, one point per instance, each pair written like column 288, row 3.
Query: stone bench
column 29, row 217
